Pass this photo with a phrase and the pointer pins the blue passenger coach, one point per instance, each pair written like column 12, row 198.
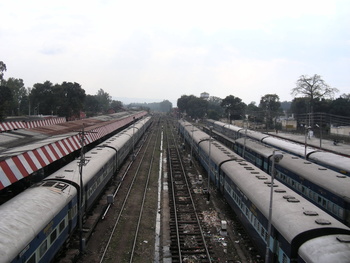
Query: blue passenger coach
column 298, row 227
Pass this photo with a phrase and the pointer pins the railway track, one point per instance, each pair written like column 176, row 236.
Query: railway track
column 125, row 242
column 185, row 229
column 188, row 243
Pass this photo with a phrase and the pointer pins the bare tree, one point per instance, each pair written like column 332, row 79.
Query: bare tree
column 2, row 70
column 314, row 88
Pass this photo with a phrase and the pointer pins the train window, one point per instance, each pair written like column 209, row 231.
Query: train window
column 329, row 205
column 53, row 236
column 61, row 226
column 341, row 212
column 310, row 193
column 31, row 259
column 284, row 258
column 42, row 249
column 262, row 232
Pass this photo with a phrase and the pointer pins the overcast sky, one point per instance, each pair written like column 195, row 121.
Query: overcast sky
column 157, row 50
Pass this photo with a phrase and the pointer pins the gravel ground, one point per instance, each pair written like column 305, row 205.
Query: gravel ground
column 229, row 246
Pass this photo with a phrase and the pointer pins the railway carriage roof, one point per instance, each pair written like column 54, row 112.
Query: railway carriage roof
column 19, row 226
column 334, row 160
column 289, row 146
column 331, row 180
column 324, row 249
column 288, row 207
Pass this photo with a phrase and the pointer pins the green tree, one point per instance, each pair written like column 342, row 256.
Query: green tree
column 341, row 106
column 299, row 106
column 104, row 100
column 5, row 100
column 165, row 106
column 270, row 105
column 234, row 107
column 192, row 106
column 91, row 105
column 254, row 113
column 197, row 108
column 270, row 102
column 215, row 111
column 18, row 93
column 70, row 97
column 183, row 103
column 43, row 100
column 116, row 105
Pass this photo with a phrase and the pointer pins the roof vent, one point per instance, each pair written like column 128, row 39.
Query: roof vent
column 341, row 176
column 321, row 221
column 280, row 191
column 48, row 184
column 288, row 197
column 310, row 213
column 293, row 200
column 269, row 184
column 261, row 177
column 343, row 239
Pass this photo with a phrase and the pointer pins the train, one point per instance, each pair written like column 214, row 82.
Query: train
column 35, row 224
column 326, row 188
column 300, row 231
column 329, row 160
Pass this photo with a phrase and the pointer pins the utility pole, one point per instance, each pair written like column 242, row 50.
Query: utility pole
column 82, row 163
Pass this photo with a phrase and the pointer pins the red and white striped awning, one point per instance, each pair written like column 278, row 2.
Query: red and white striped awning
column 13, row 125
column 23, row 161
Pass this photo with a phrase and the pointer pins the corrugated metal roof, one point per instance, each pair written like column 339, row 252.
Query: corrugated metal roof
column 26, row 151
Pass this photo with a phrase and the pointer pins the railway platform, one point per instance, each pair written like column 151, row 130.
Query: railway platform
column 316, row 142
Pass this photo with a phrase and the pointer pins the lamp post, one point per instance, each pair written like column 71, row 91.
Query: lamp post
column 276, row 157
column 245, row 134
column 191, row 144
column 209, row 166
column 133, row 142
column 320, row 134
column 307, row 128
